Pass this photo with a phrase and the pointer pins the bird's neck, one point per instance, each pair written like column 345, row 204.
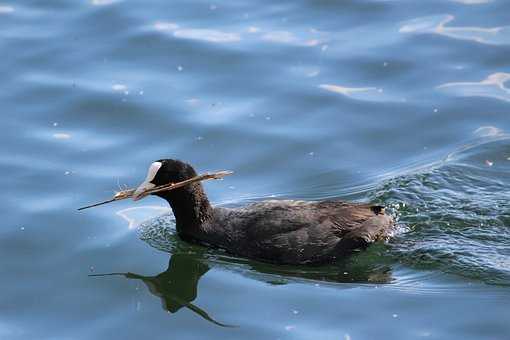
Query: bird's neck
column 191, row 209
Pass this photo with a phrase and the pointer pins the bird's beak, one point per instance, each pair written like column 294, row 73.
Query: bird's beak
column 142, row 190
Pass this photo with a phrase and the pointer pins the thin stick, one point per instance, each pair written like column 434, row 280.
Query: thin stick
column 171, row 186
column 121, row 195
column 96, row 204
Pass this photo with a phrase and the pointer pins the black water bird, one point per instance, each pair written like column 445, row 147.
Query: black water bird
column 276, row 231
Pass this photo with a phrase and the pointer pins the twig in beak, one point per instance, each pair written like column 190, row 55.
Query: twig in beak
column 121, row 195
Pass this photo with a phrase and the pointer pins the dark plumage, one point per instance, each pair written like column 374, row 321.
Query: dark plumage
column 277, row 231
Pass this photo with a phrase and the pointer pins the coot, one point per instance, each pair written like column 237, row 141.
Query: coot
column 276, row 231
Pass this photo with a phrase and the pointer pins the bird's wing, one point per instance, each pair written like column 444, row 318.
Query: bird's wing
column 373, row 229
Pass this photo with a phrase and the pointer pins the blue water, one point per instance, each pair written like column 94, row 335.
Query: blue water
column 402, row 103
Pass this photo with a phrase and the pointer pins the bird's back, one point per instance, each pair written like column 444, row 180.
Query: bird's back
column 285, row 231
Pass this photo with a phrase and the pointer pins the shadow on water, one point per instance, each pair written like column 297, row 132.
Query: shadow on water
column 177, row 286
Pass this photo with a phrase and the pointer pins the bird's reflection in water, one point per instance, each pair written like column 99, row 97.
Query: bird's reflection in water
column 340, row 273
column 366, row 268
column 177, row 285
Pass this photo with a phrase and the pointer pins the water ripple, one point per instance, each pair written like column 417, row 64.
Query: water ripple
column 252, row 33
column 208, row 35
column 491, row 87
column 437, row 25
column 104, row 2
column 361, row 93
column 472, row 2
column 457, row 212
column 6, row 9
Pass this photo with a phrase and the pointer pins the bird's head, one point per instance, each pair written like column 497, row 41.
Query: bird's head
column 162, row 172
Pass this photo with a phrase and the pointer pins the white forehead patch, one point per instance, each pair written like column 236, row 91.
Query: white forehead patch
column 146, row 184
column 153, row 170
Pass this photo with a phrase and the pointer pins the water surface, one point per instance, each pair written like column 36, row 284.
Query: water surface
column 401, row 103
